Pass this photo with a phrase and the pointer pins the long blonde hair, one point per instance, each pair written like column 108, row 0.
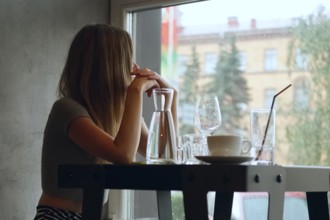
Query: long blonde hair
column 96, row 73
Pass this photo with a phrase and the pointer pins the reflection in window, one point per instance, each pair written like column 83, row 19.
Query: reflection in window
column 270, row 62
column 301, row 94
column 210, row 63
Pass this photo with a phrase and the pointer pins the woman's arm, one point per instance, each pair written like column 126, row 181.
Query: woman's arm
column 123, row 147
column 144, row 139
column 162, row 84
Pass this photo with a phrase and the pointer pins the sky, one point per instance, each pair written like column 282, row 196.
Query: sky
column 217, row 11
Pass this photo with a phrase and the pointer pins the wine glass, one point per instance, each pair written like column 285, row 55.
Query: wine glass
column 207, row 117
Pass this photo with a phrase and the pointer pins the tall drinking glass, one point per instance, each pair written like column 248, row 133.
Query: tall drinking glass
column 263, row 147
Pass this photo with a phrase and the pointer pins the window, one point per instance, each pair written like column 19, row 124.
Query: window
column 269, row 94
column 301, row 94
column 270, row 60
column 301, row 60
column 182, row 64
column 260, row 32
column 210, row 63
column 243, row 61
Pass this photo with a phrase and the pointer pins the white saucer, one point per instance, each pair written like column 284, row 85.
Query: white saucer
column 224, row 159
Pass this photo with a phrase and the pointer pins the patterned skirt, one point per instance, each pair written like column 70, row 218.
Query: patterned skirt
column 50, row 213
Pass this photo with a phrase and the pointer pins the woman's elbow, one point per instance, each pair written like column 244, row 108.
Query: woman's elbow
column 125, row 158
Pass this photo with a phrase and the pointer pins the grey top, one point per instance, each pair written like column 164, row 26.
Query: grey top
column 59, row 149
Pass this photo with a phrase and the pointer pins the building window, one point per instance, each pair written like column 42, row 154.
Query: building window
column 270, row 60
column 182, row 64
column 301, row 94
column 301, row 60
column 210, row 62
column 243, row 61
column 268, row 95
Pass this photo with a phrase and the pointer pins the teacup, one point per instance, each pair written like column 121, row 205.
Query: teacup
column 227, row 145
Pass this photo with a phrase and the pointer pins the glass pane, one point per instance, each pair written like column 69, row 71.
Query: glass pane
column 245, row 52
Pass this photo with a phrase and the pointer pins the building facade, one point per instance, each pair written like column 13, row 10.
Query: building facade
column 263, row 53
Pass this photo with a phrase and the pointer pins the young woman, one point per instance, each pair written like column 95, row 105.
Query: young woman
column 98, row 116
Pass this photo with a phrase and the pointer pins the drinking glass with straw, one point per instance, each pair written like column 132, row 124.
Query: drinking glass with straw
column 269, row 118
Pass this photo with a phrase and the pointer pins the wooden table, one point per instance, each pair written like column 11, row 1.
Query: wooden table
column 195, row 181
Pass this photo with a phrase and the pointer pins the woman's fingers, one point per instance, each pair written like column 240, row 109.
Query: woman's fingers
column 145, row 83
column 143, row 72
column 135, row 67
column 161, row 81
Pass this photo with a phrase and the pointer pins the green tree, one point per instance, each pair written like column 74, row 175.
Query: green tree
column 230, row 87
column 309, row 135
column 188, row 90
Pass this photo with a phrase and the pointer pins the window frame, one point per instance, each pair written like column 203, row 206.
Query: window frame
column 120, row 10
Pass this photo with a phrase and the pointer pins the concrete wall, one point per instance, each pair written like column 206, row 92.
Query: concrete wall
column 34, row 39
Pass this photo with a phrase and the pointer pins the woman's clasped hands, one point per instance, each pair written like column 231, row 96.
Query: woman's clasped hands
column 149, row 79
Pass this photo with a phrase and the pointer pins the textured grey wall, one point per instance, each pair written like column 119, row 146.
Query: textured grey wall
column 34, row 39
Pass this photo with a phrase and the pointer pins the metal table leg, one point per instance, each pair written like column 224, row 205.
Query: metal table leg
column 275, row 206
column 164, row 205
column 195, row 205
column 92, row 203
column 318, row 205
column 223, row 205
